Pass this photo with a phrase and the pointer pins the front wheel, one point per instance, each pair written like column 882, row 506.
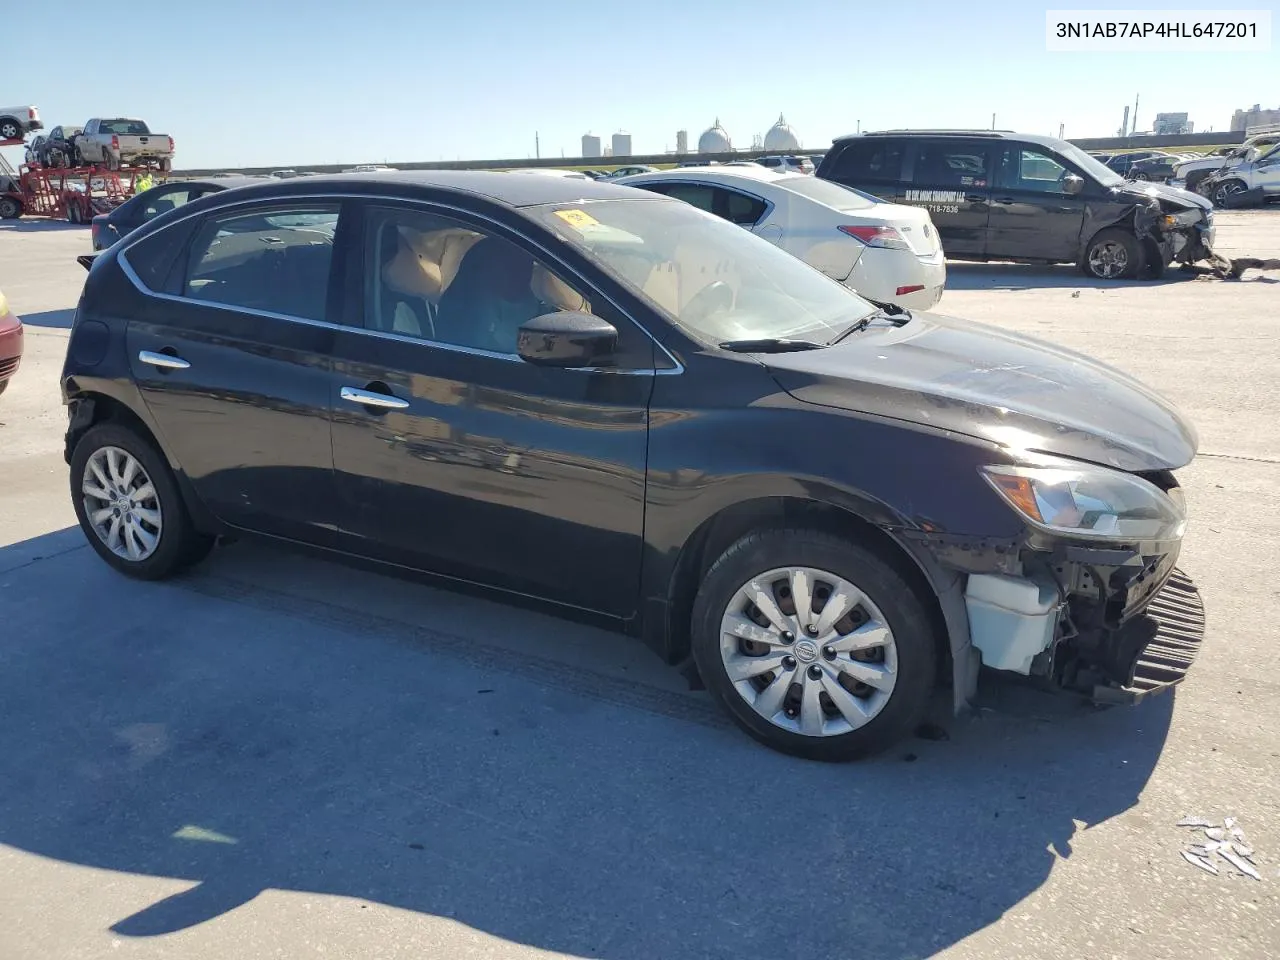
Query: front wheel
column 1112, row 255
column 10, row 209
column 1227, row 189
column 1139, row 175
column 129, row 505
column 9, row 130
column 814, row 645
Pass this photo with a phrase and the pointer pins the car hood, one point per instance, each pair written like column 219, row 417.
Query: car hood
column 994, row 385
column 1167, row 195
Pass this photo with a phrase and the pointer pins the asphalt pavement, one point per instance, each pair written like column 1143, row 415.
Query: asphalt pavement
column 279, row 756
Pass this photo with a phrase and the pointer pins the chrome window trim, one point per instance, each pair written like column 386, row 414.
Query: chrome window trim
column 122, row 259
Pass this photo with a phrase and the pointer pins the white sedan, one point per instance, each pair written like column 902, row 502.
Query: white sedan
column 886, row 251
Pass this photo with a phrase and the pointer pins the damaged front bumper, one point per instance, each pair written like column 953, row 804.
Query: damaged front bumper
column 1113, row 622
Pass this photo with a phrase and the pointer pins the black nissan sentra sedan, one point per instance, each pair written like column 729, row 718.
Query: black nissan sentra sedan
column 634, row 412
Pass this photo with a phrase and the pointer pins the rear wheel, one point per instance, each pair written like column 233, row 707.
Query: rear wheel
column 166, row 165
column 1139, row 175
column 129, row 506
column 113, row 162
column 10, row 209
column 814, row 645
column 1113, row 254
column 10, row 130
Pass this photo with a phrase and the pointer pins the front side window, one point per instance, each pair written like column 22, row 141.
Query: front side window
column 275, row 260
column 713, row 279
column 1022, row 169
column 437, row 279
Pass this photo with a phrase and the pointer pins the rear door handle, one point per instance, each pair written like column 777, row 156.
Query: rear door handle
column 166, row 361
column 1004, row 199
column 368, row 398
column 975, row 198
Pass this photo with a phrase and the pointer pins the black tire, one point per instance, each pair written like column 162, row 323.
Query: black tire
column 10, row 209
column 166, row 165
column 112, row 162
column 73, row 210
column 914, row 638
column 180, row 544
column 1112, row 238
column 1139, row 175
column 1226, row 188
column 10, row 129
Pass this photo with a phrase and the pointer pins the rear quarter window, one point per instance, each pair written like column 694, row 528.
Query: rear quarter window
column 155, row 259
column 873, row 160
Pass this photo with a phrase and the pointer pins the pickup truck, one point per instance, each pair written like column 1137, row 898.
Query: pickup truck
column 17, row 122
column 122, row 141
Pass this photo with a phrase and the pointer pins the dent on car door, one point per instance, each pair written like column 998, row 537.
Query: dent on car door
column 231, row 355
column 454, row 455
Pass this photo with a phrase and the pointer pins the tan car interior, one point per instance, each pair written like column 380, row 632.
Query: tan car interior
column 418, row 267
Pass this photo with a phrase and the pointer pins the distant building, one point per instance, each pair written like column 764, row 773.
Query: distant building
column 781, row 138
column 715, row 139
column 1172, row 124
column 682, row 141
column 1244, row 119
column 622, row 144
column 591, row 145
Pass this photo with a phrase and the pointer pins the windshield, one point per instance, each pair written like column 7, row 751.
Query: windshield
column 1103, row 174
column 828, row 192
column 714, row 279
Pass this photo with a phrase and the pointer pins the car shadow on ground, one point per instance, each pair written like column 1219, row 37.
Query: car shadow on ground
column 52, row 319
column 1030, row 276
column 186, row 730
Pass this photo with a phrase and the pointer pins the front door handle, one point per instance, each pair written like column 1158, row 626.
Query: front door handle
column 974, row 198
column 368, row 398
column 165, row 361
column 1004, row 199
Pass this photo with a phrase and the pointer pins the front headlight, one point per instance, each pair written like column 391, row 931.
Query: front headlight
column 1085, row 501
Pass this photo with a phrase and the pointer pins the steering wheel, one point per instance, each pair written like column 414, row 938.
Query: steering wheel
column 715, row 297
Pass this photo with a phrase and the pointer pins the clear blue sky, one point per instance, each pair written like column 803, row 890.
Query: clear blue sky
column 289, row 83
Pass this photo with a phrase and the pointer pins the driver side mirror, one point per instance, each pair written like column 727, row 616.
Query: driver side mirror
column 1072, row 184
column 566, row 339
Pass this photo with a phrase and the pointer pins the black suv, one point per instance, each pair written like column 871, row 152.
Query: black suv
column 997, row 195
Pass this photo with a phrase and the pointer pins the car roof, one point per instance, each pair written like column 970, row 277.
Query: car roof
column 1036, row 138
column 499, row 186
column 752, row 171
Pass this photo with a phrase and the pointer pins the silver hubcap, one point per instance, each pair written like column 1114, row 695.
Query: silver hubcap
column 121, row 504
column 808, row 651
column 1108, row 259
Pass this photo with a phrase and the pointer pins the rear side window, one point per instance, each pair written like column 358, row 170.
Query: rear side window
column 949, row 163
column 739, row 208
column 275, row 260
column 702, row 197
column 873, row 160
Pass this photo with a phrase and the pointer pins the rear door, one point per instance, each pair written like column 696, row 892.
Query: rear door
column 951, row 178
column 1032, row 215
column 231, row 355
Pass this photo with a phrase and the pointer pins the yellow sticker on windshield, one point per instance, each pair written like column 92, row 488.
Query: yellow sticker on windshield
column 578, row 218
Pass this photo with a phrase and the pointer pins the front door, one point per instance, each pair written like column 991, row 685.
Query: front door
column 951, row 178
column 453, row 454
column 1032, row 214
column 234, row 367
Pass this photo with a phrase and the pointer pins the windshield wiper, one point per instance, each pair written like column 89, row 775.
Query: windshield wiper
column 888, row 311
column 770, row 345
